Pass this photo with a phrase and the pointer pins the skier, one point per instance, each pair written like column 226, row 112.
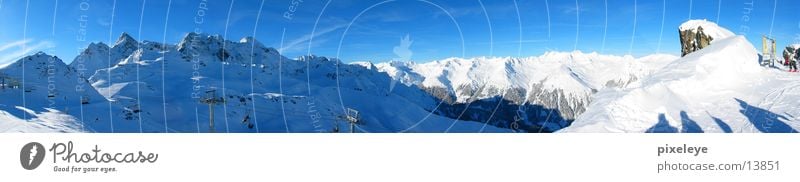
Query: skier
column 793, row 62
column 785, row 60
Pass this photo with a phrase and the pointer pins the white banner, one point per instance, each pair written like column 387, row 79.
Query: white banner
column 400, row 157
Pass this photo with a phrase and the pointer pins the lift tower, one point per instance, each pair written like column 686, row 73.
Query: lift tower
column 352, row 118
column 211, row 99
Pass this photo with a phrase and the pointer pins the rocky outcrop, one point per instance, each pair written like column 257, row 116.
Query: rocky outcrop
column 698, row 34
column 693, row 40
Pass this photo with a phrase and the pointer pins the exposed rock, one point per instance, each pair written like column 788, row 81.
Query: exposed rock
column 692, row 41
column 541, row 109
column 698, row 34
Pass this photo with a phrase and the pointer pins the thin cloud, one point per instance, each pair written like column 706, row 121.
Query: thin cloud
column 575, row 9
column 18, row 43
column 390, row 16
column 299, row 43
column 105, row 22
column 458, row 12
column 10, row 55
column 512, row 42
column 494, row 10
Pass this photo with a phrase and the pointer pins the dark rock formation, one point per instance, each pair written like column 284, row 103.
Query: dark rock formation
column 693, row 40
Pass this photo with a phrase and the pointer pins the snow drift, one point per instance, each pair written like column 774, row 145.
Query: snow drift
column 709, row 28
column 720, row 88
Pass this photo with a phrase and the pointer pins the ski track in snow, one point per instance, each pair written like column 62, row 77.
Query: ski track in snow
column 785, row 99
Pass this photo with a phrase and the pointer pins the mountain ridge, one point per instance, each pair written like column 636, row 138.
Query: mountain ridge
column 130, row 75
column 155, row 87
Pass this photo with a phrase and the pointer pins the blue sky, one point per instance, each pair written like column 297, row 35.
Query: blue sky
column 366, row 30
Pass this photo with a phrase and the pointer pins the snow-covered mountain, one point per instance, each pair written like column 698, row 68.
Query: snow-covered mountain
column 50, row 90
column 720, row 88
column 161, row 87
column 243, row 86
column 99, row 55
column 155, row 87
column 549, row 90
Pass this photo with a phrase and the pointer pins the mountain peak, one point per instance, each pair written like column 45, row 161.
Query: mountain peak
column 98, row 44
column 194, row 39
column 41, row 53
column 193, row 35
column 251, row 40
column 125, row 38
column 39, row 57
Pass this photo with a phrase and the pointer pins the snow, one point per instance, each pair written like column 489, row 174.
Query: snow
column 263, row 91
column 709, row 28
column 99, row 55
column 50, row 100
column 720, row 88
column 154, row 87
column 365, row 64
column 575, row 72
column 51, row 121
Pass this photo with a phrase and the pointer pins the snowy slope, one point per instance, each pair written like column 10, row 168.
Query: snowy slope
column 262, row 92
column 563, row 81
column 51, row 121
column 154, row 87
column 51, row 90
column 720, row 88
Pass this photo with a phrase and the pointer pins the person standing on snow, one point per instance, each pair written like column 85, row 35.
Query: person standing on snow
column 786, row 57
column 793, row 62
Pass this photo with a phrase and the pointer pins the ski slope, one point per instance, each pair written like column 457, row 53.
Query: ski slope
column 50, row 121
column 718, row 89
